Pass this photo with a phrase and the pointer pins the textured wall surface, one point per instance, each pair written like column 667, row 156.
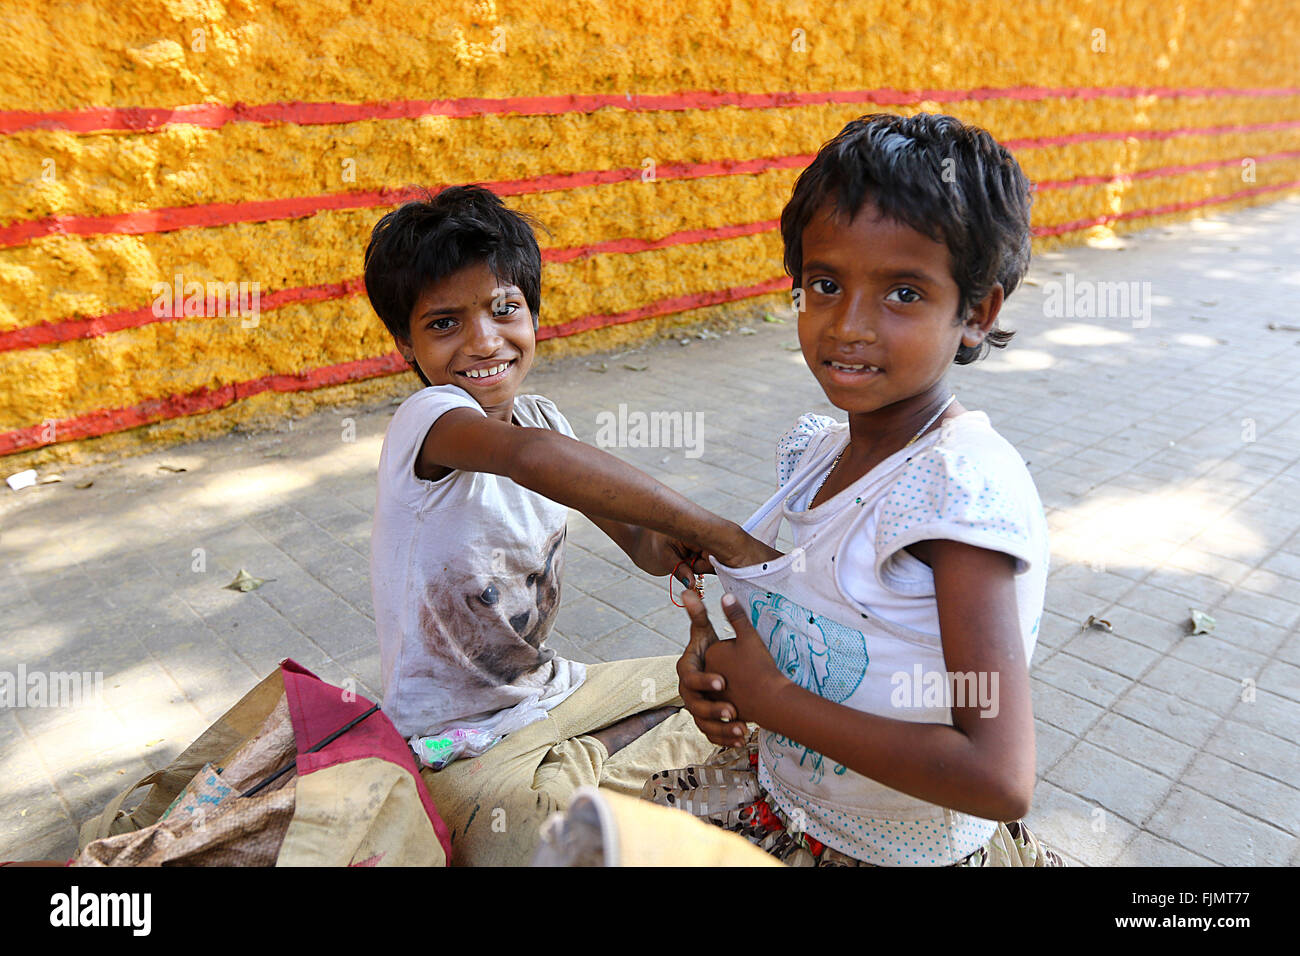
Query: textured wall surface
column 257, row 142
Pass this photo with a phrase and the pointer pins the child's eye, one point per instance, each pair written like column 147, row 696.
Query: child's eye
column 906, row 296
column 506, row 309
column 437, row 324
column 824, row 286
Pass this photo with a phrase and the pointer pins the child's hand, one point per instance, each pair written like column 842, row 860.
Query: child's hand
column 671, row 553
column 702, row 691
column 753, row 680
column 743, row 550
column 726, row 683
column 659, row 554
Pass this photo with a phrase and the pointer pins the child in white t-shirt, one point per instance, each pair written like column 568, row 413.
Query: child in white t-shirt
column 885, row 658
column 467, row 550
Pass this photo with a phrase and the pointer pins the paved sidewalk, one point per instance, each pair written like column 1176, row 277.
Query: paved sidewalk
column 1165, row 452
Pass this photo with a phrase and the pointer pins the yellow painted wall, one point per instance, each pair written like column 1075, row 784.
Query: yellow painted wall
column 1217, row 79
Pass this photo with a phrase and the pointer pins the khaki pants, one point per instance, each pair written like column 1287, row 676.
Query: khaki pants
column 493, row 805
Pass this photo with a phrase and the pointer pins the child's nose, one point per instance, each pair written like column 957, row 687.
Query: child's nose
column 484, row 336
column 855, row 322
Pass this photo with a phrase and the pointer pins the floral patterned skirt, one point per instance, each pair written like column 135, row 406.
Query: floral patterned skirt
column 724, row 790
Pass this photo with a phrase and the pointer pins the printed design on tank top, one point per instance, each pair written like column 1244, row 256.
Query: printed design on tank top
column 813, row 651
column 818, row 654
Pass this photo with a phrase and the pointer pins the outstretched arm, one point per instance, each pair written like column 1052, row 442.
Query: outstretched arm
column 599, row 485
column 982, row 765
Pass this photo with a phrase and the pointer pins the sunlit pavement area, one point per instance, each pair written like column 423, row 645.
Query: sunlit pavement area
column 1164, row 442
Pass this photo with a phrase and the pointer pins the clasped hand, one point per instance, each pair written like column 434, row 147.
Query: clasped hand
column 725, row 684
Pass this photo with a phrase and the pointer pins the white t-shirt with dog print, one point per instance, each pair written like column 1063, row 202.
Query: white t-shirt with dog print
column 465, row 576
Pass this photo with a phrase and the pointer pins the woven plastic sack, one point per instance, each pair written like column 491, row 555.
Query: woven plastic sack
column 298, row 773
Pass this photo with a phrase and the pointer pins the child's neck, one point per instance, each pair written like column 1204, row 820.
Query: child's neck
column 502, row 412
column 874, row 436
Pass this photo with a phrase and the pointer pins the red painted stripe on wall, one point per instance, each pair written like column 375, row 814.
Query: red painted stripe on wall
column 266, row 210
column 137, row 119
column 1079, row 224
column 67, row 330
column 1178, row 170
column 50, row 333
column 171, row 218
column 681, row 303
column 106, row 421
column 1070, row 139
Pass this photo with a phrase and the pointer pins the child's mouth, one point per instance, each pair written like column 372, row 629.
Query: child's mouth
column 849, row 372
column 488, row 374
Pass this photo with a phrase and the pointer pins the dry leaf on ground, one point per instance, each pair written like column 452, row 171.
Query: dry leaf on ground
column 245, row 582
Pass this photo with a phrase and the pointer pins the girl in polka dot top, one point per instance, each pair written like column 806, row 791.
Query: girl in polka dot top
column 884, row 659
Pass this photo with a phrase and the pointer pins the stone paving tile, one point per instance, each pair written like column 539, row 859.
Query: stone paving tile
column 567, row 649
column 1150, row 850
column 1247, row 632
column 1170, row 715
column 1085, row 833
column 1158, row 603
column 585, row 620
column 1289, row 650
column 1122, row 787
column 1252, row 793
column 588, row 571
column 1212, row 828
column 364, row 665
column 1220, row 657
column 1083, row 679
column 1053, row 631
column 637, row 597
column 1255, row 749
column 1155, row 501
column 1050, row 744
column 1263, row 607
column 1104, row 586
column 1142, row 745
column 1109, row 650
column 1283, row 680
column 1201, row 687
column 632, row 640
column 1159, row 635
column 1284, row 563
column 1066, row 711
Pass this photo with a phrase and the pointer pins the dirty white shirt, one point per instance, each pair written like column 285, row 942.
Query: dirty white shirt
column 465, row 576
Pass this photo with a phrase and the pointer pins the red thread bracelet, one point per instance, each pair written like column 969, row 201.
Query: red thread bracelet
column 673, row 577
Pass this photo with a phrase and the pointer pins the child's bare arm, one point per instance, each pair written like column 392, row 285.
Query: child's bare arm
column 596, row 483
column 982, row 765
column 649, row 550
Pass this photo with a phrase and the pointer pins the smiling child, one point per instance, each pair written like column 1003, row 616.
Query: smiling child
column 467, row 552
column 885, row 660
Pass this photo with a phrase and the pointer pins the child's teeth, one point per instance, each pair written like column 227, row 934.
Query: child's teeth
column 854, row 368
column 484, row 373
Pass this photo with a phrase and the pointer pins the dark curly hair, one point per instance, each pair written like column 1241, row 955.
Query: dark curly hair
column 428, row 239
column 946, row 179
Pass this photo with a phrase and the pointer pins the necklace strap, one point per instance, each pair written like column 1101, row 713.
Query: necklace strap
column 924, row 428
column 933, row 418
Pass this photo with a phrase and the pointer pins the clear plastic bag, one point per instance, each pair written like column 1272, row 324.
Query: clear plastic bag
column 451, row 743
